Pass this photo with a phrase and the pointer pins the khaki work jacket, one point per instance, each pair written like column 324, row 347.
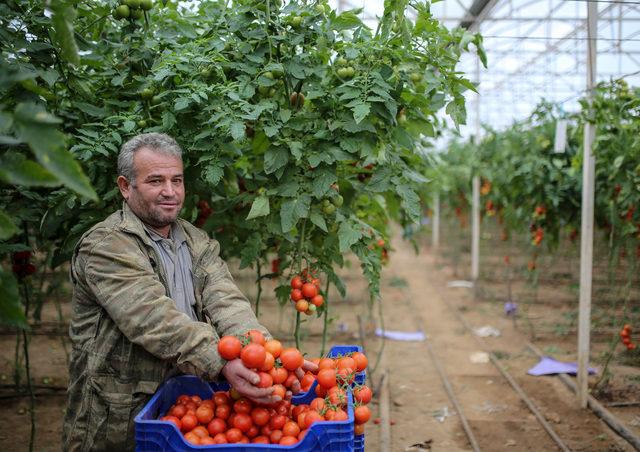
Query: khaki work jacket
column 127, row 334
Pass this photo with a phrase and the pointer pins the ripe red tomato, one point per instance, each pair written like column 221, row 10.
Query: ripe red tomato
column 192, row 438
column 288, row 440
column 318, row 300
column 174, row 420
column 326, row 363
column 260, row 440
column 291, row 429
column 341, row 415
column 183, row 399
column 243, row 406
column 253, row 355
column 243, row 422
column 362, row 394
column 234, row 435
column 178, row 411
column 223, row 411
column 291, row 380
column 296, row 295
column 296, row 282
column 361, row 361
column 260, row 416
column 252, row 432
column 266, row 380
column 309, row 290
column 274, row 347
column 307, row 381
column 327, row 378
column 269, row 362
column 207, row 441
column 362, row 414
column 279, row 374
column 358, row 429
column 216, row 426
column 229, row 347
column 279, row 390
column 291, row 358
column 256, row 337
column 204, row 414
column 220, row 438
column 302, row 305
column 276, row 436
column 221, row 398
column 311, row 417
column 189, row 422
column 346, row 362
column 277, row 422
column 196, row 399
column 318, row 404
column 200, row 431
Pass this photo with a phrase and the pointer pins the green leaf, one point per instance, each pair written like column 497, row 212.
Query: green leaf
column 128, row 126
column 10, row 309
column 259, row 208
column 91, row 110
column 181, row 103
column 34, row 126
column 347, row 20
column 237, row 130
column 7, row 228
column 410, row 201
column 260, row 143
column 275, row 158
column 17, row 170
column 348, row 235
column 63, row 16
column 292, row 210
column 360, row 111
column 213, row 173
column 322, row 182
column 318, row 220
column 251, row 250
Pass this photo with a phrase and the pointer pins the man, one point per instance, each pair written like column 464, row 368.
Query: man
column 151, row 297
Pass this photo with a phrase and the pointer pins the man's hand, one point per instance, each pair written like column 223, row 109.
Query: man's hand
column 307, row 366
column 245, row 380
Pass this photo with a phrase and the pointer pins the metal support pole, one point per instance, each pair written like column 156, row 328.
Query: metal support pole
column 475, row 204
column 435, row 227
column 586, row 240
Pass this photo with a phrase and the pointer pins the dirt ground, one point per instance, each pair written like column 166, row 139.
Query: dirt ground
column 414, row 298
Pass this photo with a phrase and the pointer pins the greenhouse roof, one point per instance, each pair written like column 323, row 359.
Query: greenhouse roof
column 536, row 49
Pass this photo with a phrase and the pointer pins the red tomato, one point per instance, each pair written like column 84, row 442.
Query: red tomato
column 243, row 406
column 242, row 422
column 279, row 374
column 307, row 381
column 361, row 361
column 178, row 411
column 277, row 422
column 183, row 399
column 309, row 290
column 311, row 417
column 189, row 421
column 256, row 337
column 302, row 305
column 234, row 435
column 260, row 416
column 253, row 355
column 296, row 294
column 327, row 378
column 362, row 394
column 291, row 358
column 216, row 426
column 221, row 398
column 326, row 363
column 266, row 380
column 260, row 440
column 207, row 441
column 223, row 411
column 358, row 429
column 291, row 379
column 204, row 414
column 220, row 438
column 279, row 390
column 288, row 440
column 318, row 300
column 274, row 347
column 320, row 391
column 362, row 414
column 210, row 403
column 296, row 410
column 276, row 436
column 229, row 347
column 340, row 415
column 346, row 361
column 346, row 374
column 283, row 407
column 269, row 362
column 174, row 420
column 192, row 438
column 296, row 282
column 291, row 429
column 200, row 431
column 337, row 396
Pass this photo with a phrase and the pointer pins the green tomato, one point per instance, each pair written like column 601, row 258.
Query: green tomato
column 326, row 203
column 350, row 71
column 329, row 210
column 361, row 214
column 121, row 12
column 296, row 21
column 264, row 90
column 206, row 72
column 342, row 61
column 415, row 76
column 146, row 5
column 146, row 93
column 261, row 191
column 343, row 72
column 142, row 124
column 338, row 201
column 137, row 14
column 320, row 9
column 269, row 75
column 133, row 4
column 155, row 100
column 177, row 80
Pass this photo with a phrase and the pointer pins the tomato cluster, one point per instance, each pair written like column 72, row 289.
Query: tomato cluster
column 132, row 9
column 305, row 292
column 21, row 264
column 230, row 418
column 625, row 336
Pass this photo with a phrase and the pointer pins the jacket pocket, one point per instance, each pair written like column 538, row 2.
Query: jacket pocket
column 114, row 404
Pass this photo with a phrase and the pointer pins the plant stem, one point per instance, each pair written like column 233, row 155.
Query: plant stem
column 325, row 326
column 259, row 269
column 32, row 400
column 383, row 341
column 296, row 334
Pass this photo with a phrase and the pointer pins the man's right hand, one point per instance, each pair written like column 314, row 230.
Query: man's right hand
column 244, row 381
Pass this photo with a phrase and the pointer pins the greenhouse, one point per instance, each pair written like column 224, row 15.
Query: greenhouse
column 319, row 225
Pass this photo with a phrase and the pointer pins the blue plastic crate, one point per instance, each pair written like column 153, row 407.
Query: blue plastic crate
column 154, row 435
column 358, row 443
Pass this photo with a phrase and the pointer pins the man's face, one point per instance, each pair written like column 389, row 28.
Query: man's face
column 158, row 192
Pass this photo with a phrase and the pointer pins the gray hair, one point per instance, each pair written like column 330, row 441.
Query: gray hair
column 158, row 142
